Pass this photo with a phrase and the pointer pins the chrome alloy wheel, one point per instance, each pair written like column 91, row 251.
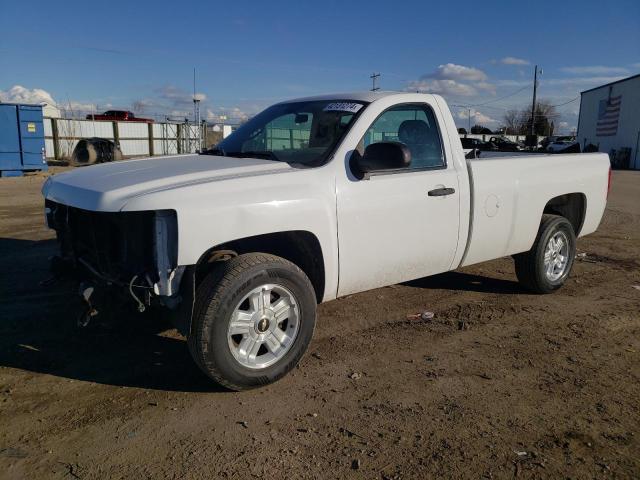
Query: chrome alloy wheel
column 263, row 326
column 556, row 256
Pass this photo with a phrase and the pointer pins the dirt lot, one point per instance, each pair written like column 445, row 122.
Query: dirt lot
column 499, row 384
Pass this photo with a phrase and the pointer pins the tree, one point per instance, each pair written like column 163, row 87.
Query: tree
column 479, row 129
column 518, row 122
column 544, row 114
column 138, row 106
column 512, row 121
column 462, row 131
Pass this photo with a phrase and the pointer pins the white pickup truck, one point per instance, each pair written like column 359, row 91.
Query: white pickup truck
column 310, row 200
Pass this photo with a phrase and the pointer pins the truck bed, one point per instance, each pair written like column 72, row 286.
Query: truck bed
column 510, row 193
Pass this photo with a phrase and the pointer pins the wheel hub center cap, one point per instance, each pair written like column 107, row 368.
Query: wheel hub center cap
column 263, row 325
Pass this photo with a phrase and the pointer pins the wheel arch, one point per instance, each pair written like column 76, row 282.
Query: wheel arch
column 300, row 247
column 572, row 206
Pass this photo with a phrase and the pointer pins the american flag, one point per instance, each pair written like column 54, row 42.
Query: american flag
column 608, row 114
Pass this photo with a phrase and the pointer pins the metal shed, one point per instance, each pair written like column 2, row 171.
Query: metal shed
column 21, row 139
column 610, row 121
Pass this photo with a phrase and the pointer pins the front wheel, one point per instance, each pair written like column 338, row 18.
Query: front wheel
column 547, row 265
column 253, row 319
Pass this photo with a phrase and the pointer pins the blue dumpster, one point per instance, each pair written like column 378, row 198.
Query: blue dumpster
column 21, row 139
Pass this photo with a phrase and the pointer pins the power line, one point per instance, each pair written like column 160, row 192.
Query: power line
column 501, row 98
column 503, row 108
column 566, row 103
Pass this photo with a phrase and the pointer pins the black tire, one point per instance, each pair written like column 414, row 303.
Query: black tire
column 530, row 268
column 220, row 293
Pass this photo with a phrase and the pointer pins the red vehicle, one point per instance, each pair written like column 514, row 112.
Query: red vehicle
column 118, row 116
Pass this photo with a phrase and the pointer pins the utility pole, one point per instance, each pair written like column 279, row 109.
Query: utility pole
column 533, row 104
column 196, row 112
column 374, row 77
column 469, row 118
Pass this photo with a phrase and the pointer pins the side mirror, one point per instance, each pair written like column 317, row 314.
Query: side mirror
column 384, row 156
column 301, row 118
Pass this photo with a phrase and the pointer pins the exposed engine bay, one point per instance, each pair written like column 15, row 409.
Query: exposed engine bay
column 109, row 254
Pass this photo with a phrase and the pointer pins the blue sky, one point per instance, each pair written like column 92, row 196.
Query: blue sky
column 250, row 54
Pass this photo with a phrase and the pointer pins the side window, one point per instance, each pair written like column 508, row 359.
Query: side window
column 415, row 126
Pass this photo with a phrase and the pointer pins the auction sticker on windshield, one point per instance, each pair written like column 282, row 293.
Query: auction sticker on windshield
column 343, row 107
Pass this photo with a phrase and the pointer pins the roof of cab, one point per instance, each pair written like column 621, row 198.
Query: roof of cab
column 366, row 96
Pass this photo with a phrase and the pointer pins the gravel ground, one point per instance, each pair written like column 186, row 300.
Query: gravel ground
column 499, row 384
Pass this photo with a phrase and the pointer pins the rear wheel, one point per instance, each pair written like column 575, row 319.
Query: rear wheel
column 547, row 265
column 253, row 320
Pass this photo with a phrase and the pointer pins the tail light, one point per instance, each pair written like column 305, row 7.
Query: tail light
column 609, row 184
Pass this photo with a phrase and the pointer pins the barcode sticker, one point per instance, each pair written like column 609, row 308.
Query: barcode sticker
column 343, row 107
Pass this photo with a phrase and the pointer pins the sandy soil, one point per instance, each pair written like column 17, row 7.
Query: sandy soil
column 500, row 384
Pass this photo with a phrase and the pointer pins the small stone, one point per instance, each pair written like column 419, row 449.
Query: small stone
column 355, row 376
column 426, row 316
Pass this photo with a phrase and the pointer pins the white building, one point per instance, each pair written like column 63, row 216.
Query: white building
column 50, row 110
column 610, row 119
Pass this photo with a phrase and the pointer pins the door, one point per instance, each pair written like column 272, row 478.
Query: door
column 31, row 136
column 400, row 225
column 9, row 139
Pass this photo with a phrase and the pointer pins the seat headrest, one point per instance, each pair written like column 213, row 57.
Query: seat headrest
column 413, row 131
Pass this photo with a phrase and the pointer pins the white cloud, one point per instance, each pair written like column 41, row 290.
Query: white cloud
column 452, row 71
column 635, row 65
column 595, row 70
column 20, row 94
column 179, row 113
column 565, row 127
column 79, row 107
column 452, row 79
column 163, row 101
column 441, row 87
column 477, row 117
column 514, row 61
column 487, row 87
column 178, row 97
column 225, row 114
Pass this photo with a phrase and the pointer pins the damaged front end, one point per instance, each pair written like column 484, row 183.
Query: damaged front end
column 122, row 260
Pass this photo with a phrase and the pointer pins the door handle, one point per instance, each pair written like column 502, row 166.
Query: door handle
column 441, row 192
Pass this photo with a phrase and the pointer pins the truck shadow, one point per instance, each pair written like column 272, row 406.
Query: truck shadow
column 468, row 282
column 38, row 332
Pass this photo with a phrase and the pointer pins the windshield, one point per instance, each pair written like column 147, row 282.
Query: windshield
column 300, row 132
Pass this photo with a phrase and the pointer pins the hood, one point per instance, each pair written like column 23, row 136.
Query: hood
column 108, row 186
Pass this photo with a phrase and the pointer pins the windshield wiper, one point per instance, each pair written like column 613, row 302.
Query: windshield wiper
column 267, row 154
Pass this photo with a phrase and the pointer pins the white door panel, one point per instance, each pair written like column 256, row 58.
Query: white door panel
column 391, row 230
